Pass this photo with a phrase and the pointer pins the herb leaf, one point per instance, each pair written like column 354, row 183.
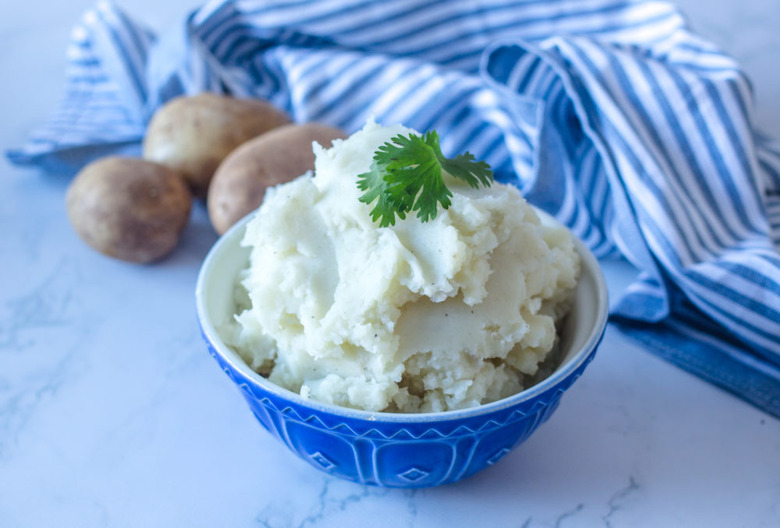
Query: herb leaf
column 406, row 175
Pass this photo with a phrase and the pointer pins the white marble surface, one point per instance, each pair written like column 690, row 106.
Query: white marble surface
column 113, row 414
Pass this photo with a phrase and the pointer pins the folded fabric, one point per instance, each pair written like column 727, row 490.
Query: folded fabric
column 609, row 114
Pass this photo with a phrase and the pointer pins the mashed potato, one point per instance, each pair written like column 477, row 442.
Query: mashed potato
column 417, row 317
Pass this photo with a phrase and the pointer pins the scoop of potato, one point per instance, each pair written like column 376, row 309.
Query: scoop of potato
column 193, row 134
column 276, row 157
column 129, row 209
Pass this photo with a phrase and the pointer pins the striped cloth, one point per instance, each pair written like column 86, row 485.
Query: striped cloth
column 610, row 114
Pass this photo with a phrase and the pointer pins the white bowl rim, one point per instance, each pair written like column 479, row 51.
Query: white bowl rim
column 589, row 264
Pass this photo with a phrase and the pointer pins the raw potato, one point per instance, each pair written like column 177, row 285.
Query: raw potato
column 276, row 157
column 128, row 208
column 193, row 134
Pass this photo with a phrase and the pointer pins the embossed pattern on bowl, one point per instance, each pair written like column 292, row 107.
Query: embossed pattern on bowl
column 392, row 449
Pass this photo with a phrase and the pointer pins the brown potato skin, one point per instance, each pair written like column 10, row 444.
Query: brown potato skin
column 276, row 157
column 128, row 208
column 193, row 134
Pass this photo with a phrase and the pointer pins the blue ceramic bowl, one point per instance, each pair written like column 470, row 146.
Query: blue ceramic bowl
column 389, row 449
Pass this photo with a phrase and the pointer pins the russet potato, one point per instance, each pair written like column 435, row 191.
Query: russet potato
column 275, row 157
column 193, row 134
column 129, row 208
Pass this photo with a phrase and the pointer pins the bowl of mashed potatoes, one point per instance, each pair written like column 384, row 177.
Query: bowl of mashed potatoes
column 410, row 355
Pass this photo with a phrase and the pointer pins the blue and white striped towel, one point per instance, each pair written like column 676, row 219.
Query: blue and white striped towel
column 610, row 114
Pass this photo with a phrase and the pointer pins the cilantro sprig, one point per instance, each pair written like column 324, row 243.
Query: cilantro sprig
column 406, row 176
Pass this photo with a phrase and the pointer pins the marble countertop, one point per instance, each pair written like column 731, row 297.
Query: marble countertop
column 113, row 414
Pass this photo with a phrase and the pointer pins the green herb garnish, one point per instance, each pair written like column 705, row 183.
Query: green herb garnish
column 406, row 175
